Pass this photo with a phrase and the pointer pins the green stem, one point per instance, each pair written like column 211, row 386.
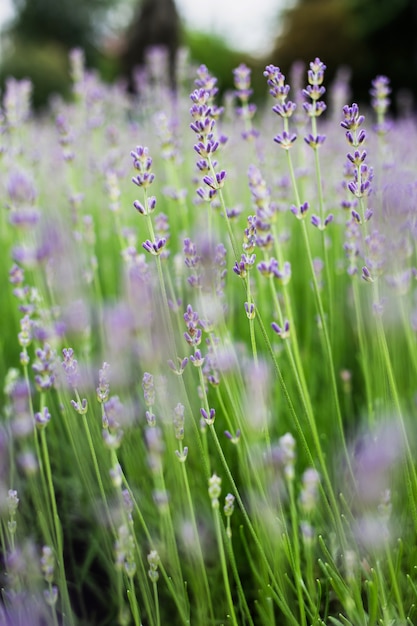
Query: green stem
column 217, row 524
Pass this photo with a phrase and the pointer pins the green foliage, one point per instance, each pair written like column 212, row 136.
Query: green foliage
column 213, row 51
column 368, row 36
column 45, row 64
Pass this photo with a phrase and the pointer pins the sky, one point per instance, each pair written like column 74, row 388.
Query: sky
column 249, row 25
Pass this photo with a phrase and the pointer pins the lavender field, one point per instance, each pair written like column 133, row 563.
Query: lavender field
column 208, row 354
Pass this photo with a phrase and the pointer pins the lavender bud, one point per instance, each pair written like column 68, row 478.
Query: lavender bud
column 70, row 367
column 179, row 421
column 366, row 275
column 214, row 490
column 309, row 493
column 12, row 501
column 80, row 406
column 51, row 595
column 103, row 388
column 283, row 332
column 208, row 418
column 148, row 389
column 250, row 310
column 116, row 475
column 229, row 504
column 42, row 418
column 233, row 438
column 182, row 456
column 48, row 564
column 153, row 561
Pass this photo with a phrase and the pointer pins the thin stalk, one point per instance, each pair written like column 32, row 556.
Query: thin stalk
column 217, row 525
column 296, row 556
column 230, row 553
column 203, row 570
column 280, row 599
column 324, row 324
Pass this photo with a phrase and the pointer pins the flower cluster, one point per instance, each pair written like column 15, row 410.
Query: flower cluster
column 246, row 110
column 205, row 113
column 284, row 108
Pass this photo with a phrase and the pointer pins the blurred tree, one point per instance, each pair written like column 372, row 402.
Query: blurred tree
column 156, row 23
column 44, row 31
column 370, row 36
column 69, row 23
column 213, row 51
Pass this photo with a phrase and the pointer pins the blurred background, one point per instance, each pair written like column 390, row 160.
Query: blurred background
column 365, row 37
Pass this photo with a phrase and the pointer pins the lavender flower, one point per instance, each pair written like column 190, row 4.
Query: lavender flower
column 48, row 564
column 233, row 438
column 281, row 331
column 280, row 90
column 229, row 504
column 42, row 418
column 380, row 102
column 193, row 335
column 300, row 212
column 143, row 163
column 124, row 551
column 155, row 247
column 208, row 417
column 179, row 421
column 247, row 261
column 103, row 388
column 205, row 113
column 246, row 110
column 44, row 367
column 70, row 367
column 314, row 91
column 153, row 561
column 16, row 101
column 182, row 363
column 270, row 268
column 21, row 188
column 214, row 490
column 148, row 387
column 309, row 493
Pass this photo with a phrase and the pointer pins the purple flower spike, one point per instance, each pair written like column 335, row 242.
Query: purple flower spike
column 380, row 92
column 70, row 367
column 276, row 82
column 241, row 76
column 190, row 316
